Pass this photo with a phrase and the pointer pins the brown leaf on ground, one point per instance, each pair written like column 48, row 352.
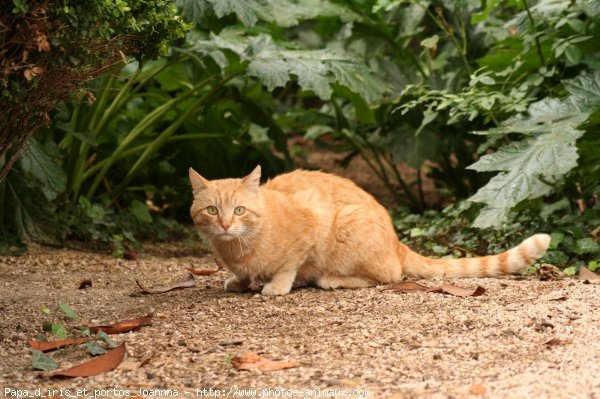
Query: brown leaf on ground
column 97, row 365
column 207, row 272
column 586, row 275
column 477, row 389
column 556, row 342
column 124, row 326
column 408, row 287
column 548, row 272
column 46, row 346
column 458, row 291
column 187, row 283
column 411, row 286
column 202, row 272
column 251, row 361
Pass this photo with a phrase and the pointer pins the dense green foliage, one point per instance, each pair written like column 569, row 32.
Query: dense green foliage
column 498, row 102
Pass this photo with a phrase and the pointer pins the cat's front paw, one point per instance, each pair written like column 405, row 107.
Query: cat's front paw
column 234, row 284
column 274, row 289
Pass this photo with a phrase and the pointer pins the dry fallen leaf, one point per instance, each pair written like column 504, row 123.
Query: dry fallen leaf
column 586, row 275
column 251, row 361
column 188, row 283
column 548, row 272
column 46, row 346
column 207, row 272
column 408, row 287
column 458, row 291
column 124, row 326
column 477, row 389
column 411, row 286
column 555, row 342
column 98, row 365
column 202, row 272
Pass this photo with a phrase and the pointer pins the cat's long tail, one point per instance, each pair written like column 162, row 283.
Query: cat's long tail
column 508, row 262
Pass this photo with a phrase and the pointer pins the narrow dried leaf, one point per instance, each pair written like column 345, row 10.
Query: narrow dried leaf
column 458, row 291
column 202, row 272
column 98, row 365
column 251, row 361
column 46, row 346
column 586, row 275
column 124, row 326
column 408, row 287
column 554, row 342
column 188, row 283
column 477, row 389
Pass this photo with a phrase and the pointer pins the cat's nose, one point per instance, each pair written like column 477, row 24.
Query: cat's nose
column 225, row 225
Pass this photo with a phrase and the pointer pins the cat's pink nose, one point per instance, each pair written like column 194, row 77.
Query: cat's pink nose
column 225, row 225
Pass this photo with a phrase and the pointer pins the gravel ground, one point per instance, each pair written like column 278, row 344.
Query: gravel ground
column 418, row 345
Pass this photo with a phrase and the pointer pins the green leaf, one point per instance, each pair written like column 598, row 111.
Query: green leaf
column 417, row 232
column 555, row 240
column 593, row 265
column 140, row 211
column 316, row 131
column 248, row 11
column 43, row 362
column 584, row 91
column 45, row 309
column 488, row 6
column 273, row 73
column 58, row 330
column 40, row 163
column 286, row 13
column 193, row 10
column 430, row 42
column 94, row 348
column 549, row 153
column 102, row 336
column 587, row 246
column 67, row 311
column 570, row 271
column 316, row 70
column 405, row 146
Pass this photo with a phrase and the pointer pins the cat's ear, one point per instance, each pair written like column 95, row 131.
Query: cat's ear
column 252, row 181
column 199, row 183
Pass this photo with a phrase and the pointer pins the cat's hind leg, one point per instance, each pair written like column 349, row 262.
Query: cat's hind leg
column 333, row 282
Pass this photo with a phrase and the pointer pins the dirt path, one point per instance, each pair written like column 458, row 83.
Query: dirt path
column 391, row 344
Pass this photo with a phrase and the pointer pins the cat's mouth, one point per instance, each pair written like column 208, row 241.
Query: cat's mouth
column 226, row 236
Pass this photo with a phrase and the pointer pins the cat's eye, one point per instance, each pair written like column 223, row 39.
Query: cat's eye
column 239, row 210
column 212, row 210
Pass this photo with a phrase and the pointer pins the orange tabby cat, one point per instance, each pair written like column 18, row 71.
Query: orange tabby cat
column 315, row 228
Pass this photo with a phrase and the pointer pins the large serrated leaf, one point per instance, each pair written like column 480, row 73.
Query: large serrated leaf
column 286, row 13
column 584, row 91
column 248, row 11
column 193, row 10
column 316, row 70
column 547, row 153
column 273, row 73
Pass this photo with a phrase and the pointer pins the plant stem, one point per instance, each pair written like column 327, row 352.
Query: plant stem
column 534, row 28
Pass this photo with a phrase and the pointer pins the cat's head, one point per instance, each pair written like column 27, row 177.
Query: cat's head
column 226, row 209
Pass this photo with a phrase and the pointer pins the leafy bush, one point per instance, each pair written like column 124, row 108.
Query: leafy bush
column 47, row 52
